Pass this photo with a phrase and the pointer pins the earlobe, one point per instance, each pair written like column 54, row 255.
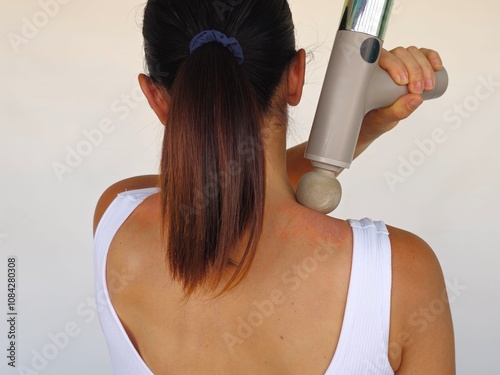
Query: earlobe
column 157, row 98
column 296, row 78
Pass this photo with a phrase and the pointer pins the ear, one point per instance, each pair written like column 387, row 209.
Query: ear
column 158, row 99
column 296, row 78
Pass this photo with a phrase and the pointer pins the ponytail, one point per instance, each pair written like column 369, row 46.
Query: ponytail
column 213, row 167
column 213, row 172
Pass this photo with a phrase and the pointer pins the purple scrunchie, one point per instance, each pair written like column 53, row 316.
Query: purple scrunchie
column 216, row 36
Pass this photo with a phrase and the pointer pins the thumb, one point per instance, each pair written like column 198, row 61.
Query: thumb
column 400, row 110
column 380, row 121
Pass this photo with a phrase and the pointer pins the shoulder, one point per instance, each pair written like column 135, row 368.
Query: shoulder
column 414, row 263
column 417, row 274
column 420, row 307
column 409, row 250
column 133, row 183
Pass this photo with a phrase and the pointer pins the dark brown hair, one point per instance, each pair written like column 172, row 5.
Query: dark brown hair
column 213, row 167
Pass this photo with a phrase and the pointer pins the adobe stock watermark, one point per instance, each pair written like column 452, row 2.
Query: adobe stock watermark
column 291, row 281
column 224, row 6
column 91, row 139
column 455, row 117
column 58, row 341
column 398, row 6
column 422, row 319
column 249, row 150
column 426, row 315
column 31, row 26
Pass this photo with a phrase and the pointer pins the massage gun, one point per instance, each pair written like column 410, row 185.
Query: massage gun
column 354, row 85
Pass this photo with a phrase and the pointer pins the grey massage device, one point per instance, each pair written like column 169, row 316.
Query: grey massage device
column 354, row 85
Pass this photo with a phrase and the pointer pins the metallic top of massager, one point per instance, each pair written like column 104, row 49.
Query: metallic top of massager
column 366, row 16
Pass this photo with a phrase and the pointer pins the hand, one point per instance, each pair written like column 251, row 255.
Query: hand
column 407, row 66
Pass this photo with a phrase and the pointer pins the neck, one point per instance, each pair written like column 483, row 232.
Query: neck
column 278, row 187
column 279, row 191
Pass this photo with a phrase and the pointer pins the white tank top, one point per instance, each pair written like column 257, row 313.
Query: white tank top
column 364, row 340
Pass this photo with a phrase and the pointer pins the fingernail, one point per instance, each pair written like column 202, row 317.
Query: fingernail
column 429, row 84
column 404, row 78
column 414, row 104
column 418, row 88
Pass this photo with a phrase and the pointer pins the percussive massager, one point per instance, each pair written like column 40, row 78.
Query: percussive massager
column 354, row 85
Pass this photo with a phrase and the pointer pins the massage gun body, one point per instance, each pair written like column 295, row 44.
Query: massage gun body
column 354, row 85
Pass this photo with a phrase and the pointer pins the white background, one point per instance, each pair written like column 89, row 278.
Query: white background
column 78, row 69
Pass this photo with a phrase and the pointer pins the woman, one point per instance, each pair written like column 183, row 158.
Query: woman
column 212, row 267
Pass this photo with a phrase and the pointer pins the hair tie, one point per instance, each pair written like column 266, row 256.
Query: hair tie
column 209, row 36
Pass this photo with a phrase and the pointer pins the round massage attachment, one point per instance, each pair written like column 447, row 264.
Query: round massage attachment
column 319, row 190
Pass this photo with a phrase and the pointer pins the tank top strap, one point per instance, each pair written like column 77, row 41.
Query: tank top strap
column 364, row 340
column 124, row 357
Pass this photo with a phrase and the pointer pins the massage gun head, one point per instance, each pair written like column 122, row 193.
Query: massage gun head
column 319, row 190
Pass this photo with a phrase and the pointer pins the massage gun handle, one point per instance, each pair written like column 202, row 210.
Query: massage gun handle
column 383, row 91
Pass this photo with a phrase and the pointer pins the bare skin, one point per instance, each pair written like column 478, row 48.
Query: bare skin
column 202, row 335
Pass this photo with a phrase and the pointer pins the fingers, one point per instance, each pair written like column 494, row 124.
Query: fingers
column 394, row 66
column 434, row 58
column 412, row 66
column 419, row 69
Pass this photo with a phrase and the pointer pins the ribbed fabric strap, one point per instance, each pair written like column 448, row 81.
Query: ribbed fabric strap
column 364, row 340
column 124, row 357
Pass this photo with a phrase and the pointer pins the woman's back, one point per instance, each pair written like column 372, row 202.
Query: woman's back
column 222, row 271
column 287, row 314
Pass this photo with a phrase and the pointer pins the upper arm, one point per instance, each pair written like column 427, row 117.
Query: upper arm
column 139, row 182
column 421, row 308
